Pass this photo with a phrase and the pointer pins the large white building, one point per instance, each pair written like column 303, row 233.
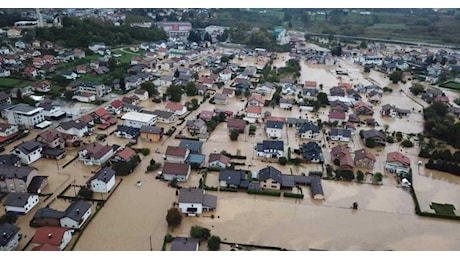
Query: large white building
column 24, row 115
column 137, row 120
column 176, row 29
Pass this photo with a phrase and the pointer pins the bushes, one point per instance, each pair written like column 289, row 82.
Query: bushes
column 265, row 192
column 85, row 193
column 214, row 243
column 282, row 160
column 143, row 151
column 200, row 232
column 407, row 143
column 173, row 217
column 293, row 195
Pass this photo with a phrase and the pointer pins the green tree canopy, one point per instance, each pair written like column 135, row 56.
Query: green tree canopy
column 173, row 217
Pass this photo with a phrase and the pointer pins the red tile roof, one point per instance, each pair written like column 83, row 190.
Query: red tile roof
column 175, row 168
column 254, row 109
column 174, row 106
column 96, row 150
column 276, row 118
column 49, row 235
column 398, row 157
column 310, row 84
column 258, row 98
column 100, row 112
column 337, row 115
column 219, row 157
column 116, row 103
column 86, row 118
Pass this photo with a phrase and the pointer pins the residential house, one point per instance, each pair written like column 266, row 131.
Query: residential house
column 270, row 178
column 142, row 94
column 51, row 111
column 51, row 238
column 13, row 176
column 218, row 160
column 253, row 113
column 133, row 100
column 55, row 139
column 225, row 74
column 379, row 137
column 127, row 132
column 270, row 149
column 442, row 98
column 197, row 126
column 9, row 240
column 163, row 116
column 72, row 127
column 364, row 158
column 374, row 97
column 42, row 87
column 286, row 103
column 352, row 118
column 336, row 92
column 233, row 179
column 20, row 202
column 264, row 89
column 76, row 214
column 362, row 108
column 23, row 114
column 128, row 107
column 206, row 115
column 102, row 181
column 256, row 100
column 289, row 89
column 274, row 129
column 4, row 72
column 308, row 130
column 393, row 111
column 177, row 108
column 95, row 153
column 220, row 99
column 236, row 123
column 179, row 171
column 310, row 93
column 194, row 201
column 84, row 97
column 342, row 153
column 339, row 134
column 185, row 244
column 79, row 54
column 397, row 163
column 28, row 151
column 193, row 146
column 338, row 117
column 7, row 132
column 312, row 152
column 151, row 133
column 351, row 127
column 165, row 80
column 176, row 154
column 115, row 107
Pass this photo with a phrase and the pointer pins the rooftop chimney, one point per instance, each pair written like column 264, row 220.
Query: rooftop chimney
column 50, row 235
column 4, row 234
column 78, row 211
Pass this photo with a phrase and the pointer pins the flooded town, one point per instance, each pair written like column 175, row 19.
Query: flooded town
column 197, row 146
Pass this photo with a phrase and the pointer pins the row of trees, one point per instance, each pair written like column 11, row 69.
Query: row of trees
column 441, row 125
column 97, row 30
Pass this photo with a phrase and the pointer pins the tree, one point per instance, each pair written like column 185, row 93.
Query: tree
column 225, row 59
column 370, row 142
column 176, row 73
column 396, row 76
column 283, row 160
column 68, row 95
column 322, row 98
column 416, row 89
column 247, row 93
column 407, row 143
column 360, row 176
column 175, row 93
column 207, row 37
column 150, row 87
column 200, row 232
column 8, row 218
column 173, row 217
column 378, row 177
column 214, row 243
column 363, row 45
column 190, row 89
column 234, row 134
column 85, row 193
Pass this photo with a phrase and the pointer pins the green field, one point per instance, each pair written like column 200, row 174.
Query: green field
column 443, row 209
column 12, row 83
column 126, row 56
column 388, row 26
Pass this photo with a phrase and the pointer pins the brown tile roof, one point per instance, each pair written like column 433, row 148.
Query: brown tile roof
column 236, row 123
column 116, row 103
column 96, row 150
column 101, row 112
column 363, row 153
column 228, row 91
column 126, row 153
column 175, row 168
column 398, row 157
column 219, row 157
column 86, row 118
column 176, row 151
column 254, row 109
column 257, row 98
column 51, row 135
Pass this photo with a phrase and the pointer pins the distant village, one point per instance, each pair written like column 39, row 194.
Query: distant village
column 128, row 112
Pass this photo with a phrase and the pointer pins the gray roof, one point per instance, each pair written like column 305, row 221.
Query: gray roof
column 17, row 199
column 36, row 183
column 129, row 106
column 209, row 201
column 72, row 124
column 76, row 210
column 270, row 172
column 21, row 107
column 196, row 158
column 150, row 129
column 270, row 144
column 9, row 159
column 28, row 146
column 340, row 131
column 104, row 175
column 232, row 177
column 195, row 195
column 193, row 146
column 373, row 133
column 312, row 150
column 163, row 113
column 220, row 96
column 308, row 126
column 274, row 124
column 7, row 232
column 48, row 213
column 11, row 172
column 184, row 244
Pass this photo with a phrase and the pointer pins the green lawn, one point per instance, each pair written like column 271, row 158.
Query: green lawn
column 388, row 26
column 443, row 209
column 126, row 57
column 11, row 83
column 452, row 85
